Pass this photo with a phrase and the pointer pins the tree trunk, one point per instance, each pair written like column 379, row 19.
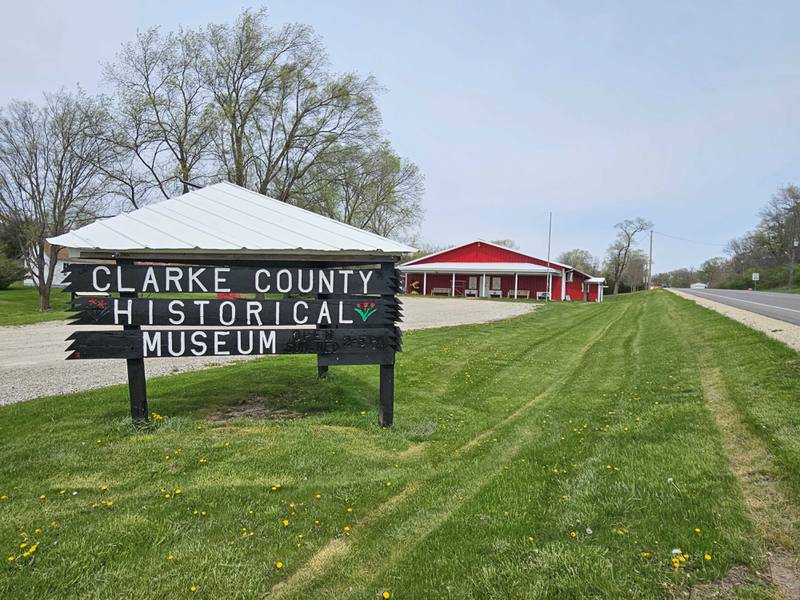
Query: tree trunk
column 44, row 296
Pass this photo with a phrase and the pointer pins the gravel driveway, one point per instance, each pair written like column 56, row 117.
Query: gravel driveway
column 782, row 331
column 32, row 356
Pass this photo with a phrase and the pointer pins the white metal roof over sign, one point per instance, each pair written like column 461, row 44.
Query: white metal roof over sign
column 226, row 217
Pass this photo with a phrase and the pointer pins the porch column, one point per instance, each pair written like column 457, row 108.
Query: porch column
column 425, row 284
column 453, row 287
column 549, row 286
column 516, row 286
column 483, row 286
column 563, row 284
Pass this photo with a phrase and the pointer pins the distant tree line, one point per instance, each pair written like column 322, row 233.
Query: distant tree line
column 772, row 249
column 246, row 102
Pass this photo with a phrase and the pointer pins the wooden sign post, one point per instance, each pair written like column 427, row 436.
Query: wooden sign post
column 344, row 315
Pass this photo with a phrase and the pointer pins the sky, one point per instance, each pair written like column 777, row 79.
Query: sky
column 684, row 113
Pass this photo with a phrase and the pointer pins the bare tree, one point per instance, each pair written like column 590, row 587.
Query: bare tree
column 49, row 181
column 279, row 110
column 619, row 251
column 161, row 113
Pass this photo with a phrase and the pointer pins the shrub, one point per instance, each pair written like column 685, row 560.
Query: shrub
column 11, row 270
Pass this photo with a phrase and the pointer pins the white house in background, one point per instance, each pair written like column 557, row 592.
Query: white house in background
column 698, row 286
column 58, row 274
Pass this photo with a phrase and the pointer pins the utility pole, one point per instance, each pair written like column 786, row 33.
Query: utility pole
column 549, row 275
column 650, row 263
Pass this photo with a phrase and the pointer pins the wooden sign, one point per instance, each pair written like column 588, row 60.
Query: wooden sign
column 213, row 279
column 164, row 343
column 365, row 312
column 347, row 316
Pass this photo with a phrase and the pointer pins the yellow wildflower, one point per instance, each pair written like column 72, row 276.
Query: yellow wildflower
column 279, row 565
column 193, row 589
column 285, row 522
column 697, row 530
column 103, row 488
column 12, row 558
column 573, row 534
column 387, row 595
column 170, row 557
column 707, row 556
column 349, row 509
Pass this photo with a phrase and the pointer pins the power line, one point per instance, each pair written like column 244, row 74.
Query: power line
column 682, row 239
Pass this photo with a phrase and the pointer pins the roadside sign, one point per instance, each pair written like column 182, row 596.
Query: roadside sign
column 756, row 276
column 343, row 314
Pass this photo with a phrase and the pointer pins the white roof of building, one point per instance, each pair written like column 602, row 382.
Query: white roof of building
column 226, row 218
column 465, row 267
column 596, row 280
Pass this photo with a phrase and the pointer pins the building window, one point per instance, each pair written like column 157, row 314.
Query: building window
column 473, row 283
column 569, row 276
column 495, row 283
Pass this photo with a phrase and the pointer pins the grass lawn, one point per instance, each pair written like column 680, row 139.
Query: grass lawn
column 19, row 305
column 562, row 454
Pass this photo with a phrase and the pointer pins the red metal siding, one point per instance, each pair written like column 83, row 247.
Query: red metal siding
column 479, row 252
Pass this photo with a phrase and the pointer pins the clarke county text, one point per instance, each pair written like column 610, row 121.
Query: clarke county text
column 207, row 279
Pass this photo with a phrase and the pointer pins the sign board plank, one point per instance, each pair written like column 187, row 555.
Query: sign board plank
column 166, row 343
column 82, row 277
column 350, row 312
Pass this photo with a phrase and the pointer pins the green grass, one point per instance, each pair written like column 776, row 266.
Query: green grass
column 19, row 305
column 508, row 438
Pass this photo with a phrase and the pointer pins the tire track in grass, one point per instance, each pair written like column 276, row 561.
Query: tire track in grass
column 472, row 475
column 775, row 516
column 556, row 383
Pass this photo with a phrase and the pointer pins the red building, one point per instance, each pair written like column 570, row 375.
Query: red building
column 483, row 269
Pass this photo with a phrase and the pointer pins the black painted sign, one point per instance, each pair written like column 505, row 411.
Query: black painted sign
column 162, row 343
column 213, row 279
column 363, row 312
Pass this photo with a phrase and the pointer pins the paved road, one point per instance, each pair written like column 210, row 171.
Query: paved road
column 785, row 307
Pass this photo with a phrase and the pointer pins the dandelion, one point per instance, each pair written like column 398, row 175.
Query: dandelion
column 193, row 589
column 42, row 498
column 346, row 530
column 697, row 530
column 178, row 492
column 349, row 509
column 12, row 558
column 170, row 557
column 3, row 498
column 62, row 492
column 279, row 565
column 707, row 556
column 317, row 496
column 202, row 460
column 203, row 513
column 285, row 522
column 388, row 484
column 647, row 554
column 103, row 488
column 530, row 538
column 387, row 595
column 573, row 534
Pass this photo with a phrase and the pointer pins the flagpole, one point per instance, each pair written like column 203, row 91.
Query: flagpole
column 549, row 275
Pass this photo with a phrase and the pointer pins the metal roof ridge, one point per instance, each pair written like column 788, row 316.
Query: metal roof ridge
column 183, row 220
column 237, row 224
column 299, row 208
column 265, row 221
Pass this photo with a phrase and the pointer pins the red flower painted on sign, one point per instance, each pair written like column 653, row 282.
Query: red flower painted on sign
column 365, row 309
